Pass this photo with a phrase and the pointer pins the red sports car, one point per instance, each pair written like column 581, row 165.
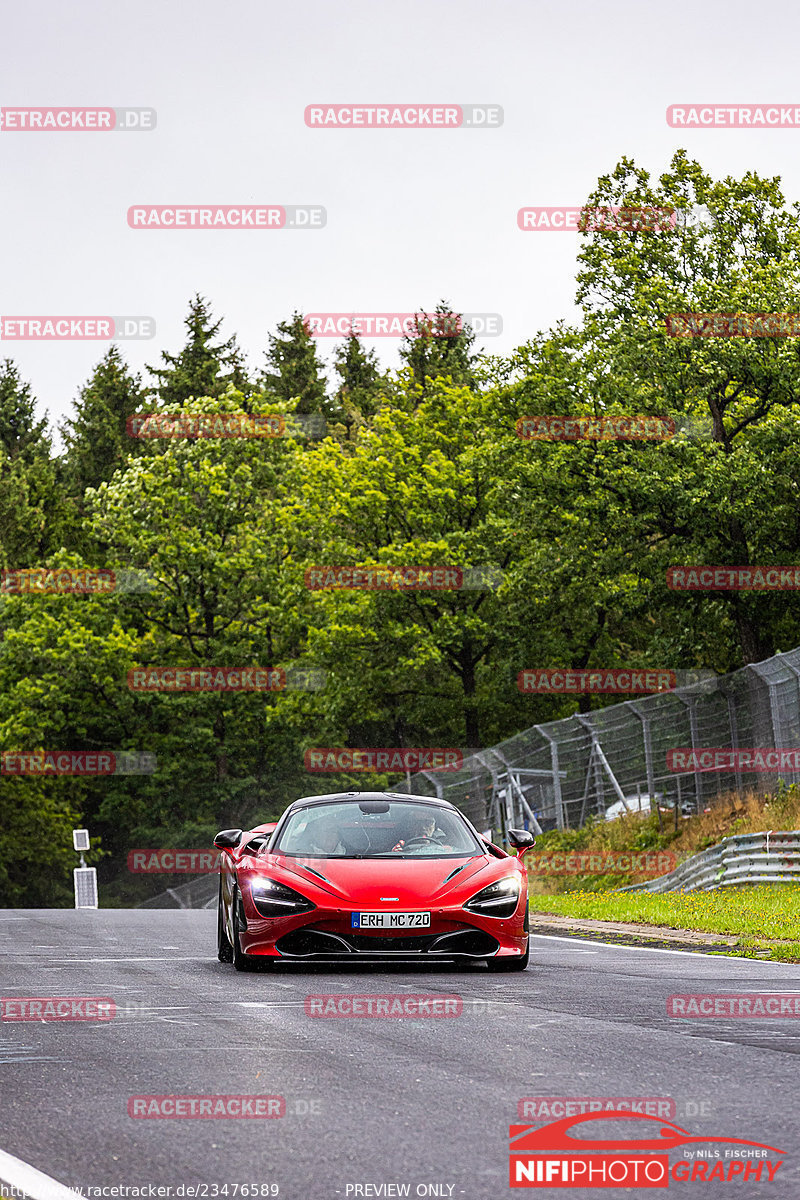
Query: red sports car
column 372, row 876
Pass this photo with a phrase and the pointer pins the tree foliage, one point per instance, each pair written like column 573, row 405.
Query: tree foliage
column 565, row 544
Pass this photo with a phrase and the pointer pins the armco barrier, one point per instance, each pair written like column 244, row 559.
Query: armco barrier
column 746, row 858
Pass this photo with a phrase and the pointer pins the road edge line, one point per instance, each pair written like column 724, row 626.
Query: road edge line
column 32, row 1182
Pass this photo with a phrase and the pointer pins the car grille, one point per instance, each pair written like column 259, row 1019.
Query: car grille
column 320, row 943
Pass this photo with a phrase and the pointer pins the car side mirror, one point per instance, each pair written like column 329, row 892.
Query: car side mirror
column 521, row 839
column 227, row 839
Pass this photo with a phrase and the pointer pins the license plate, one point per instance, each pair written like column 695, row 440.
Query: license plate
column 390, row 920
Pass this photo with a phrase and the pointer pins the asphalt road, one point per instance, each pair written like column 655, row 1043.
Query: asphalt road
column 369, row 1101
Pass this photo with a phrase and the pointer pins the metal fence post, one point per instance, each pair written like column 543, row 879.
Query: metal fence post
column 733, row 725
column 689, row 703
column 600, row 760
column 560, row 821
column 648, row 748
column 796, row 674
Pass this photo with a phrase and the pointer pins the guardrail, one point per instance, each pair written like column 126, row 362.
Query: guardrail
column 746, row 858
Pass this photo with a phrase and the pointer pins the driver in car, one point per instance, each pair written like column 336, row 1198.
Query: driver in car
column 420, row 834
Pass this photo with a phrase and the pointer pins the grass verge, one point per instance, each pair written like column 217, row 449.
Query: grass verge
column 766, row 919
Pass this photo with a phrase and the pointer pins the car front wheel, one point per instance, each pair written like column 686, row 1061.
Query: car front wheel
column 224, row 948
column 241, row 961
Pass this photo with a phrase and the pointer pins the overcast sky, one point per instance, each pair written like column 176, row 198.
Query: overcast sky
column 412, row 215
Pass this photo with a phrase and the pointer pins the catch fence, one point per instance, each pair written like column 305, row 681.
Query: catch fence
column 558, row 774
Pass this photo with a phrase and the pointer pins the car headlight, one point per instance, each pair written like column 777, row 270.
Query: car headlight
column 498, row 899
column 273, row 899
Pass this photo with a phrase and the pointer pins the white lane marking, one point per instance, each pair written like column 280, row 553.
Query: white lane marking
column 166, row 958
column 33, row 1183
column 267, row 1003
column 753, row 962
column 5, row 1060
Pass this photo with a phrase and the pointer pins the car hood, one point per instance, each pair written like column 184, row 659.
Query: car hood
column 368, row 880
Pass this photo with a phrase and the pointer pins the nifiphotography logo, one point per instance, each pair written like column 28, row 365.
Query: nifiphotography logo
column 553, row 1156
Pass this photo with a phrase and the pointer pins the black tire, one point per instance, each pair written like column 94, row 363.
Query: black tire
column 224, row 948
column 511, row 964
column 241, row 961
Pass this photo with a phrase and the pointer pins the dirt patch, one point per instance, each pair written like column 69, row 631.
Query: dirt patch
column 619, row 931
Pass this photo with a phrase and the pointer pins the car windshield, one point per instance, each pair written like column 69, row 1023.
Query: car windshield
column 377, row 829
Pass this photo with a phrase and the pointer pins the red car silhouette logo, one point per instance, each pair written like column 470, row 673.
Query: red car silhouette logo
column 556, row 1136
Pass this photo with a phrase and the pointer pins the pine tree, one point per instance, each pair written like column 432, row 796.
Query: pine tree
column 21, row 435
column 294, row 369
column 202, row 368
column 361, row 389
column 96, row 437
column 435, row 350
column 31, row 511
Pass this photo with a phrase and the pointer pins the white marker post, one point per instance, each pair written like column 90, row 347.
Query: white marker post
column 84, row 878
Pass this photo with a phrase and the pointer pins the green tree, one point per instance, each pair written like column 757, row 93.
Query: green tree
column 21, row 435
column 735, row 248
column 204, row 519
column 97, row 441
column 440, row 347
column 294, row 370
column 362, row 386
column 412, row 492
column 204, row 367
column 31, row 508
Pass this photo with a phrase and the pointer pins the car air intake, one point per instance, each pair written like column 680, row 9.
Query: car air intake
column 466, row 941
column 302, row 943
